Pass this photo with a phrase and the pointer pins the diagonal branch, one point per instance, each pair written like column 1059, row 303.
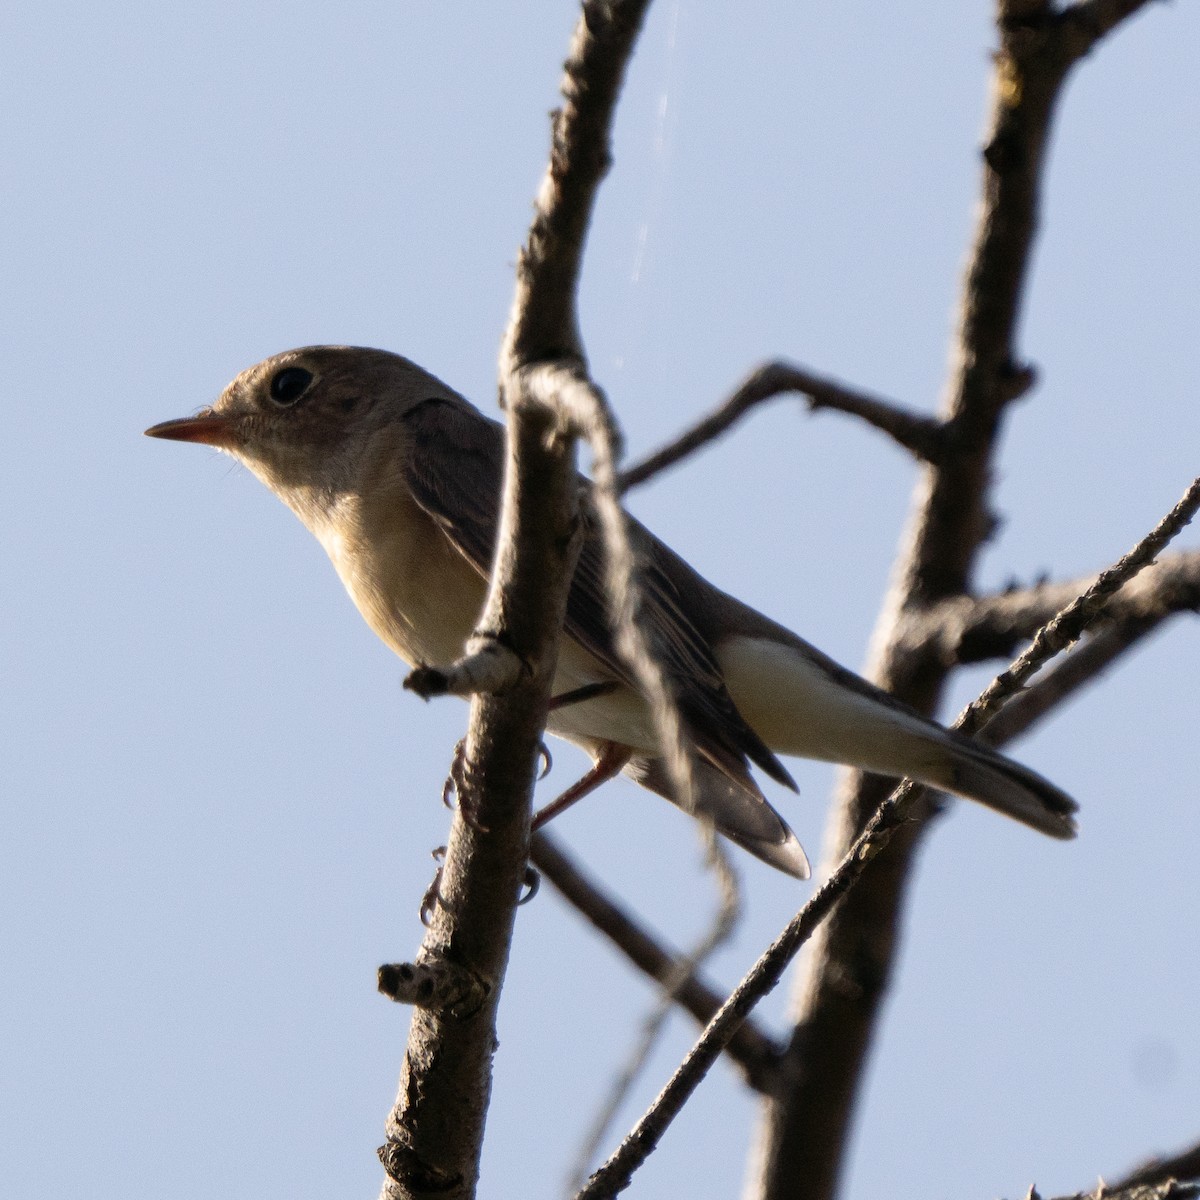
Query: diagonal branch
column 655, row 1022
column 1068, row 626
column 751, row 1049
column 1165, row 1190
column 887, row 819
column 968, row 629
column 1088, row 21
column 544, row 323
column 1080, row 668
column 921, row 435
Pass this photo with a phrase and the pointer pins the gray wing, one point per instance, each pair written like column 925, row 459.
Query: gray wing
column 455, row 470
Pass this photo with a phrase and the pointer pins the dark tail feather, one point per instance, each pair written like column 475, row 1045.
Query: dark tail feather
column 742, row 816
column 981, row 774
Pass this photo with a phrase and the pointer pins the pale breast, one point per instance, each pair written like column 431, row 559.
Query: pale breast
column 412, row 587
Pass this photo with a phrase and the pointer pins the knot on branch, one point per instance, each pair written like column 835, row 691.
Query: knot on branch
column 488, row 666
column 414, row 1176
column 434, row 985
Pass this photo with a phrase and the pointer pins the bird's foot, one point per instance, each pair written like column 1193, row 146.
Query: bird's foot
column 532, row 882
column 456, row 792
column 610, row 761
column 433, row 894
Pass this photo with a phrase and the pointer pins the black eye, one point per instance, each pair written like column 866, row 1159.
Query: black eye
column 289, row 385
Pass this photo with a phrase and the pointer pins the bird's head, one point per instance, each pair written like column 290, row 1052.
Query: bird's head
column 303, row 420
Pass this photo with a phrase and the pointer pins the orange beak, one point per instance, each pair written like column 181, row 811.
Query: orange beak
column 211, row 428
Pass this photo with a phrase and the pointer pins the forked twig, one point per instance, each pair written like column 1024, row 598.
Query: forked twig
column 921, row 435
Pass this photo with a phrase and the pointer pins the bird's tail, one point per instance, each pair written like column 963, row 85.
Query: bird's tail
column 976, row 772
column 741, row 815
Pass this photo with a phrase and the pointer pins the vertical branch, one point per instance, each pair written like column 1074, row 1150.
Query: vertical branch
column 435, row 1130
column 805, row 1125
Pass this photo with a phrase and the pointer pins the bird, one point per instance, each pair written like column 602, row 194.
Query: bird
column 399, row 479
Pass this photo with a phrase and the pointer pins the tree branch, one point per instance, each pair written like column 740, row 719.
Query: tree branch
column 890, row 817
column 1183, row 1165
column 544, row 323
column 837, row 1003
column 969, row 629
column 754, row 1051
column 435, row 1129
column 1081, row 667
column 1068, row 626
column 1088, row 21
column 920, row 435
column 1166, row 1190
column 654, row 1023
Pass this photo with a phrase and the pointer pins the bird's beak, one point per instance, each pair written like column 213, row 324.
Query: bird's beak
column 213, row 429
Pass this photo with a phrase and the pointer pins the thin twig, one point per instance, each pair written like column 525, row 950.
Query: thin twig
column 544, row 324
column 1166, row 1190
column 592, row 419
column 723, row 924
column 617, row 1172
column 1078, row 669
column 754, row 1051
column 921, row 435
column 1069, row 624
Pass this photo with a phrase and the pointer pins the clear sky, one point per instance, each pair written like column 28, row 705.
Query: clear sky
column 218, row 804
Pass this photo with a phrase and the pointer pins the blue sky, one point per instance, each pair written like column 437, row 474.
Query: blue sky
column 218, row 803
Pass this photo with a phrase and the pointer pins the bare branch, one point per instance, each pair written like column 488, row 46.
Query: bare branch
column 1183, row 1165
column 754, row 1051
column 884, row 822
column 625, row 599
column 848, row 968
column 653, row 1025
column 1166, row 1190
column 1081, row 667
column 1087, row 21
column 1069, row 624
column 435, row 1130
column 922, row 436
column 544, row 323
column 488, row 666
column 967, row 629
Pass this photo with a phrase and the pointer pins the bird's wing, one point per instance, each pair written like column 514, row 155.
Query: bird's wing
column 454, row 468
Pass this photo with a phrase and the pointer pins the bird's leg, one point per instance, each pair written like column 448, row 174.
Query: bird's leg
column 455, row 786
column 611, row 758
column 578, row 695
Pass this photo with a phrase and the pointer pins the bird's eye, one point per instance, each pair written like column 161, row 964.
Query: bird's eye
column 289, row 385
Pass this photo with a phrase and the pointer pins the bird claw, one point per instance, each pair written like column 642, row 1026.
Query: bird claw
column 455, row 792
column 532, row 883
column 455, row 783
column 433, row 896
column 546, row 760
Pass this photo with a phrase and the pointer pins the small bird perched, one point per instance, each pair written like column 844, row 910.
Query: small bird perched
column 399, row 478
